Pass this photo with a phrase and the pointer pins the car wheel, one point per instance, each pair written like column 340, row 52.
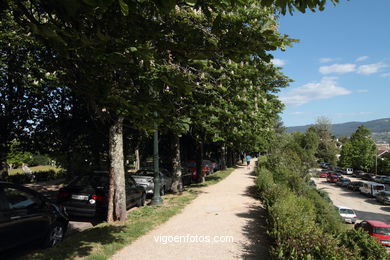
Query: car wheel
column 141, row 201
column 55, row 235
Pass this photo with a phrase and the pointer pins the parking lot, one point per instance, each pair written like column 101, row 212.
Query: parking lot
column 365, row 207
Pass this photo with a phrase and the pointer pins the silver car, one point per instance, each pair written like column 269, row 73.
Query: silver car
column 145, row 178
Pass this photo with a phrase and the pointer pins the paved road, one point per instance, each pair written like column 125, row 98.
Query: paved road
column 225, row 209
column 365, row 207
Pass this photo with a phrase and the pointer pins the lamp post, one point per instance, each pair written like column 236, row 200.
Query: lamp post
column 376, row 162
column 156, row 200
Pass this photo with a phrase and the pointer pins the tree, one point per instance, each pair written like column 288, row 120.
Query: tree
column 115, row 51
column 384, row 164
column 327, row 148
column 28, row 86
column 363, row 149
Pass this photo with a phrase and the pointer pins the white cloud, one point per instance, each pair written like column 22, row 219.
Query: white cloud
column 385, row 75
column 297, row 113
column 362, row 90
column 325, row 60
column 362, row 58
column 370, row 68
column 338, row 68
column 326, row 88
column 278, row 62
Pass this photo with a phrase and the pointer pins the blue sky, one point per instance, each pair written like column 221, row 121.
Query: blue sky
column 340, row 67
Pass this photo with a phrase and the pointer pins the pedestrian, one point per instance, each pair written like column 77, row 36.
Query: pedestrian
column 248, row 161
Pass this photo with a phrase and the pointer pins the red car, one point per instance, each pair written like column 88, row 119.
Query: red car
column 323, row 174
column 377, row 229
column 333, row 178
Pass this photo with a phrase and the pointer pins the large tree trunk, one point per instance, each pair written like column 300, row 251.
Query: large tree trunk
column 117, row 194
column 137, row 164
column 177, row 184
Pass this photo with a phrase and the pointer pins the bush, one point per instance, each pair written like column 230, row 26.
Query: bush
column 36, row 176
column 303, row 222
column 362, row 245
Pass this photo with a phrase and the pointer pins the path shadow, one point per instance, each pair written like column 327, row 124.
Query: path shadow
column 255, row 230
column 75, row 247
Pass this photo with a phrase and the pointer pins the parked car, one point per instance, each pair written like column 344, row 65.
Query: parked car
column 368, row 177
column 191, row 167
column 27, row 216
column 383, row 197
column 385, row 180
column 186, row 176
column 312, row 183
column 323, row 174
column 347, row 214
column 145, row 178
column 343, row 182
column 333, row 177
column 358, row 173
column 207, row 167
column 355, row 185
column 87, row 195
column 372, row 188
column 324, row 165
column 348, row 171
column 382, row 179
column 377, row 229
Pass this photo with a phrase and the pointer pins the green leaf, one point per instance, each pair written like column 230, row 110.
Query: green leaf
column 124, row 7
column 133, row 49
column 191, row 2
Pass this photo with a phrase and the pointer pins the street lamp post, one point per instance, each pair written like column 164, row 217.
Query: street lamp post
column 156, row 200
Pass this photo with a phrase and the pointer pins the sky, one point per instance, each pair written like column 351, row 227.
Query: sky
column 340, row 67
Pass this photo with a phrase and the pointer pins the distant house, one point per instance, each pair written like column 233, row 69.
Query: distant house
column 382, row 148
column 381, row 153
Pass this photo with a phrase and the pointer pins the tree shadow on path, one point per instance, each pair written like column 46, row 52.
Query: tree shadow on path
column 255, row 230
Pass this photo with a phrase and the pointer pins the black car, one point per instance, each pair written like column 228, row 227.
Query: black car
column 87, row 195
column 27, row 216
column 355, row 185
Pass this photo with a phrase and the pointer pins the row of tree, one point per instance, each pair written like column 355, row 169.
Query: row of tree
column 81, row 79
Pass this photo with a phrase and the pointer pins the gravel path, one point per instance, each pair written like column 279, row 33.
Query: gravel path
column 222, row 212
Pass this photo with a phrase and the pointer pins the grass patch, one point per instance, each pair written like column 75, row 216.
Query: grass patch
column 40, row 168
column 104, row 240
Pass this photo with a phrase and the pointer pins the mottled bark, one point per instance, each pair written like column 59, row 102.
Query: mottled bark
column 137, row 164
column 177, row 184
column 117, row 195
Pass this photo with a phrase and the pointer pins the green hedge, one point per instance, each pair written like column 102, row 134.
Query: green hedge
column 304, row 224
column 35, row 177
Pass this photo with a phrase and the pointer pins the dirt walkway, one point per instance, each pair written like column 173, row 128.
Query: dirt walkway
column 204, row 230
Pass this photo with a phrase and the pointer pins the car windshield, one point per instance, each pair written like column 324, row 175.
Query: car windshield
column 382, row 230
column 379, row 188
column 346, row 211
column 92, row 181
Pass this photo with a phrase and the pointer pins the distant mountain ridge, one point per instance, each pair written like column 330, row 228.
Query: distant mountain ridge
column 346, row 129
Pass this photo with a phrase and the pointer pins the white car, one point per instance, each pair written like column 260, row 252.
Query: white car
column 347, row 214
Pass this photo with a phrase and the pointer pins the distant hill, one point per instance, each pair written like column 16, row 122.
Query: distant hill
column 381, row 126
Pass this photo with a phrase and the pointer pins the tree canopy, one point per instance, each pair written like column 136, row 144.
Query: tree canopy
column 203, row 66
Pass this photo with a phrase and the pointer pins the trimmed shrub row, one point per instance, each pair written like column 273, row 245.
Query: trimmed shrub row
column 304, row 224
column 35, row 177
